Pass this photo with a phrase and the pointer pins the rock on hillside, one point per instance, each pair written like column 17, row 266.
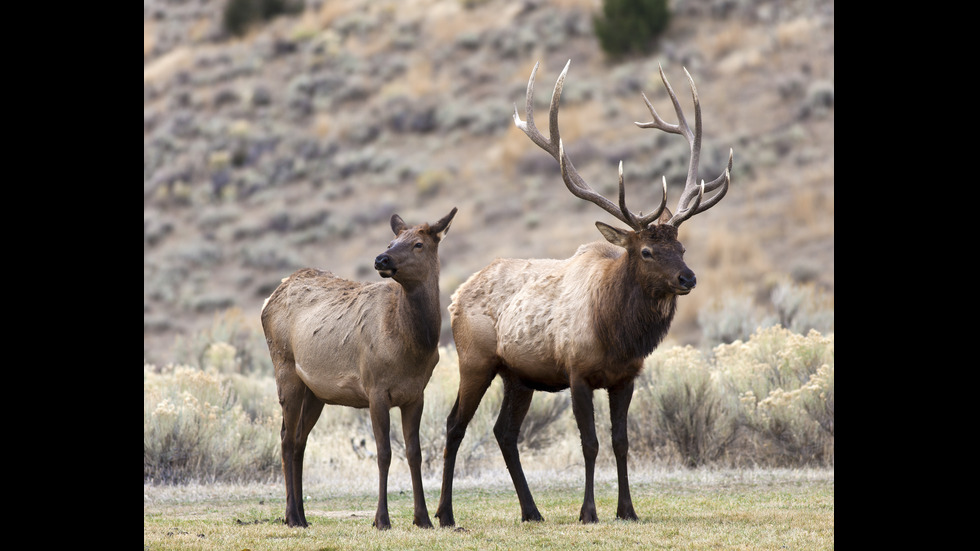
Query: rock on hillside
column 292, row 146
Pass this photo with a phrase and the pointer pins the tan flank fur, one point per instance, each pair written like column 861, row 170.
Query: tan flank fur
column 584, row 323
column 361, row 345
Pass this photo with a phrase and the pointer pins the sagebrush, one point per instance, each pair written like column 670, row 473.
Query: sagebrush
column 202, row 425
column 765, row 401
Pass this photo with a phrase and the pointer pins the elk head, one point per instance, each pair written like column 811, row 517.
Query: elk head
column 410, row 256
column 655, row 255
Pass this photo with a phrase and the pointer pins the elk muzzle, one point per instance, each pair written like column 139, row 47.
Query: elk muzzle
column 686, row 281
column 384, row 265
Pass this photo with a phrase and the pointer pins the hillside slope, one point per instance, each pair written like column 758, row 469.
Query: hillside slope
column 293, row 146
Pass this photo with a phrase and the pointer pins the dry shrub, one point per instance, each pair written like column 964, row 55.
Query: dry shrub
column 785, row 385
column 811, row 209
column 727, row 265
column 731, row 257
column 731, row 317
column 196, row 429
column 728, row 40
column 446, row 21
column 798, row 307
column 330, row 12
column 577, row 118
column 507, row 152
column 542, row 425
column 419, row 81
column 479, row 446
column 802, row 307
column 768, row 400
column 765, row 401
column 679, row 403
column 232, row 328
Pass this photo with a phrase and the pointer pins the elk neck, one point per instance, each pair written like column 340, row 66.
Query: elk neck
column 628, row 320
column 415, row 313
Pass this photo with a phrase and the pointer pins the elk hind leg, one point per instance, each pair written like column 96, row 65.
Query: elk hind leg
column 473, row 384
column 381, row 422
column 513, row 409
column 300, row 411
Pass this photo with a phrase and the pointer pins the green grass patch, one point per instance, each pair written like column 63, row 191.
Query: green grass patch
column 678, row 510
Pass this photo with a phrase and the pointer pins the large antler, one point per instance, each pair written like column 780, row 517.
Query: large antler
column 581, row 189
column 692, row 190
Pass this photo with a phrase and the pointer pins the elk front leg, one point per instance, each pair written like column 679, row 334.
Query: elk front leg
column 585, row 418
column 517, row 400
column 619, row 405
column 411, row 420
column 380, row 422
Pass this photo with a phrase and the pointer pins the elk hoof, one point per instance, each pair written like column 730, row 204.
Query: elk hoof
column 424, row 522
column 533, row 516
column 446, row 520
column 381, row 524
column 629, row 514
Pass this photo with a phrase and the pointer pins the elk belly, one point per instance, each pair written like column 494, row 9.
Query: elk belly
column 338, row 387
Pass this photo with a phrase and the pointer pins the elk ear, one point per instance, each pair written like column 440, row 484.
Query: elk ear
column 397, row 224
column 441, row 228
column 613, row 235
column 664, row 216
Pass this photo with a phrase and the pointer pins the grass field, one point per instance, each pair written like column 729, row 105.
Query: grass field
column 697, row 509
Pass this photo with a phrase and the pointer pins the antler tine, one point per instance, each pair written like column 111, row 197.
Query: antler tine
column 632, row 222
column 724, row 180
column 528, row 127
column 681, row 127
column 553, row 106
column 638, row 223
column 692, row 191
column 573, row 181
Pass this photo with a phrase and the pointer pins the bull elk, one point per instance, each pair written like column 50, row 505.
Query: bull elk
column 584, row 323
column 362, row 345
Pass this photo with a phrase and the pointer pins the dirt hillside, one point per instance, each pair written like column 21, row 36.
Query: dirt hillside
column 293, row 145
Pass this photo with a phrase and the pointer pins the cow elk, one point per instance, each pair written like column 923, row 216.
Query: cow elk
column 584, row 323
column 362, row 345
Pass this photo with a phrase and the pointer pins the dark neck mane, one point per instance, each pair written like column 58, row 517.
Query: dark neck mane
column 627, row 321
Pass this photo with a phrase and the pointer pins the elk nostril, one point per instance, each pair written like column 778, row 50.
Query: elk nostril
column 382, row 262
column 688, row 280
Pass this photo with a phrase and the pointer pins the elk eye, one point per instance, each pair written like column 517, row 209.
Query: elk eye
column 646, row 253
column 418, row 245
